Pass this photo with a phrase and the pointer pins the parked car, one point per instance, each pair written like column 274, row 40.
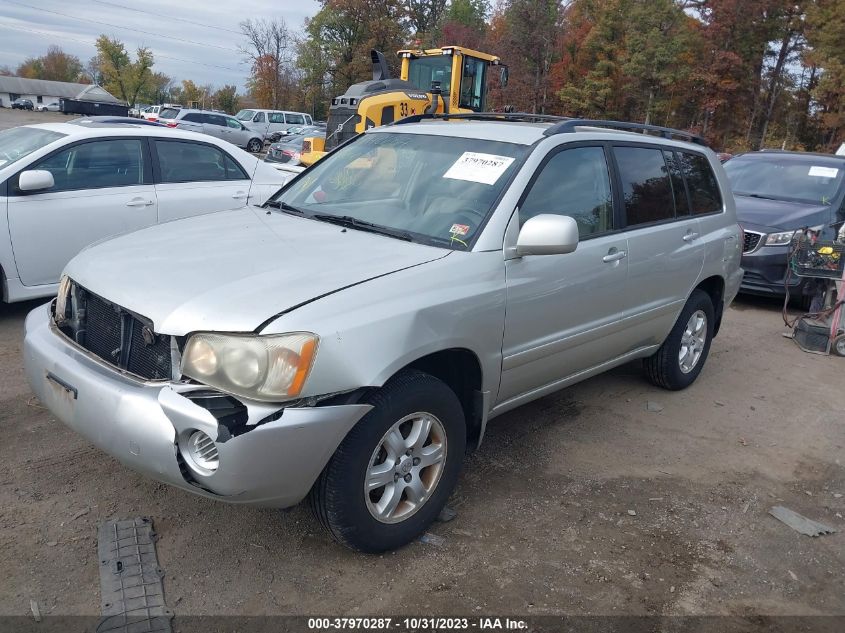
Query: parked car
column 222, row 126
column 778, row 193
column 53, row 106
column 22, row 104
column 266, row 122
column 348, row 341
column 66, row 185
column 287, row 151
column 302, row 130
column 151, row 113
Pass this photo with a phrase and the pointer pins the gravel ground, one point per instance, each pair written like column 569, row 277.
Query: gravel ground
column 584, row 502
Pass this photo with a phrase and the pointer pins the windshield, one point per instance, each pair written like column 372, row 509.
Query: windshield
column 812, row 179
column 424, row 70
column 18, row 142
column 245, row 115
column 434, row 189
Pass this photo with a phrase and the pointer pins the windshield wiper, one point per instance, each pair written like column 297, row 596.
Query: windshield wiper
column 284, row 206
column 362, row 225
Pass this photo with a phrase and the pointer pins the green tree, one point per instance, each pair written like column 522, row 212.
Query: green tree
column 226, row 99
column 426, row 19
column 121, row 76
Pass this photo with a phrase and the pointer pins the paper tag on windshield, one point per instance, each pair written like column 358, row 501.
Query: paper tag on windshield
column 476, row 167
column 823, row 172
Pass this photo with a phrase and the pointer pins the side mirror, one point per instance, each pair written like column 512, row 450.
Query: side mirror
column 547, row 234
column 35, row 180
column 503, row 76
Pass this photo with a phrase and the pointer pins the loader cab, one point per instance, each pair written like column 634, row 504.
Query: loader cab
column 462, row 74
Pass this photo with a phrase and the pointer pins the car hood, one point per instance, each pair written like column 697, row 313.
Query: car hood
column 779, row 214
column 233, row 271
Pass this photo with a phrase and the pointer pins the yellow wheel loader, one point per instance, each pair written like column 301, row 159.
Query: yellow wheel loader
column 447, row 80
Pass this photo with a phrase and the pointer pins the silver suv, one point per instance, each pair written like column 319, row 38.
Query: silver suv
column 350, row 339
column 216, row 124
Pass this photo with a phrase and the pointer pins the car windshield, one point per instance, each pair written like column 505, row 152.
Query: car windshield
column 436, row 190
column 813, row 179
column 245, row 115
column 18, row 142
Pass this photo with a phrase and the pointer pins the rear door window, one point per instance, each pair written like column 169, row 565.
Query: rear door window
column 678, row 187
column 701, row 183
column 216, row 119
column 185, row 161
column 646, row 188
column 97, row 165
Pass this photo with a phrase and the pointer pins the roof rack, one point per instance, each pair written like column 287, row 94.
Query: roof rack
column 561, row 124
column 570, row 125
column 526, row 117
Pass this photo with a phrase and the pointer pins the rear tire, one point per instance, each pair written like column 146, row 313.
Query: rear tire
column 254, row 146
column 677, row 362
column 359, row 516
column 838, row 345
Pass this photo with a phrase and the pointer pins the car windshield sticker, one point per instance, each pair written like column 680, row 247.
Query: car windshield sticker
column 476, row 167
column 823, row 172
column 459, row 229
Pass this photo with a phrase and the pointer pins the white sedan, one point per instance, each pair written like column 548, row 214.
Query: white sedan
column 64, row 186
column 47, row 107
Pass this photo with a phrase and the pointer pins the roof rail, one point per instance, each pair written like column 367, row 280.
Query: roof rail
column 570, row 125
column 484, row 116
column 560, row 125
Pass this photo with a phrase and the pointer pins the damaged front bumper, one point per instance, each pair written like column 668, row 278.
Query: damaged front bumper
column 142, row 424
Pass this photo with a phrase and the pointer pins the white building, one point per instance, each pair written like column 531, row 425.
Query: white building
column 43, row 91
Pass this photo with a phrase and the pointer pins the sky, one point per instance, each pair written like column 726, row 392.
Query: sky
column 190, row 39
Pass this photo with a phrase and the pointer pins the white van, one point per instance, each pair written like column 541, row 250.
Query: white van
column 268, row 121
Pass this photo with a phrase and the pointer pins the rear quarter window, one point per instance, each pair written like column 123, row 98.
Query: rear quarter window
column 701, row 183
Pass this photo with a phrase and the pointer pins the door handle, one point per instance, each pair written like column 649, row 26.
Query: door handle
column 240, row 195
column 614, row 256
column 690, row 237
column 139, row 203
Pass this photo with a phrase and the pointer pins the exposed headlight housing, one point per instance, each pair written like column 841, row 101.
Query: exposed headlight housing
column 270, row 368
column 779, row 239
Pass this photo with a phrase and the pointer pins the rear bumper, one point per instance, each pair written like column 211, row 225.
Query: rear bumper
column 141, row 424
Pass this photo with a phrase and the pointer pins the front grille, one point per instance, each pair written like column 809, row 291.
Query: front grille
column 752, row 240
column 117, row 336
column 340, row 116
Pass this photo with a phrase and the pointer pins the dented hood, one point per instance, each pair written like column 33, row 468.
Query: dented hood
column 232, row 271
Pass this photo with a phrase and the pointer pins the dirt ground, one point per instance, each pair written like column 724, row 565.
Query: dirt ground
column 545, row 524
column 584, row 502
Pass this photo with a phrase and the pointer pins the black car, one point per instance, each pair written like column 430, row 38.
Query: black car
column 778, row 193
column 22, row 104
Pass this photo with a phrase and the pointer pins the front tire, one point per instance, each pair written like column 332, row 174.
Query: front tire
column 677, row 362
column 393, row 473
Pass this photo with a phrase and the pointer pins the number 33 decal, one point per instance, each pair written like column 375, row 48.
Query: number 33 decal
column 403, row 109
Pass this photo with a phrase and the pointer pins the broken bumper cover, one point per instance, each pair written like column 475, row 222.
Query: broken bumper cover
column 273, row 464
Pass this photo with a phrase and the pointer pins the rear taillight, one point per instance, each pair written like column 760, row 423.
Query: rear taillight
column 171, row 124
column 288, row 152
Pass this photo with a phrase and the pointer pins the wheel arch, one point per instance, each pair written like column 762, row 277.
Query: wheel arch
column 715, row 287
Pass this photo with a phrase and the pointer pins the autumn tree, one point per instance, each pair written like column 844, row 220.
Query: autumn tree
column 465, row 24
column 826, row 37
column 270, row 51
column 56, row 65
column 123, row 77
column 426, row 19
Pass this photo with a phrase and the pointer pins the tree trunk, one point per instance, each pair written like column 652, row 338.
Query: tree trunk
column 771, row 99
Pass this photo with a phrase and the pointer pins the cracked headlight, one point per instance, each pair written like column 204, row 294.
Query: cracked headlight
column 779, row 239
column 269, row 368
